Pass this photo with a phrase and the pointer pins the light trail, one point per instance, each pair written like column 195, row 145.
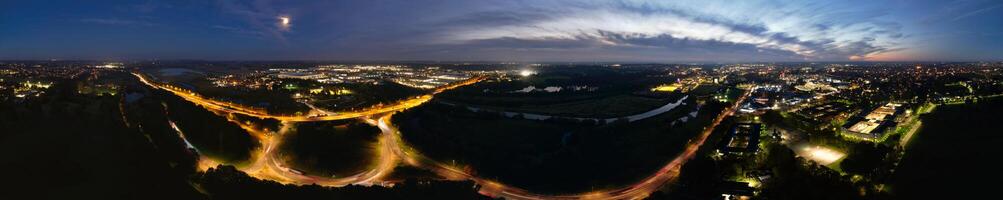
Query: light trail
column 491, row 188
column 228, row 107
column 393, row 149
column 274, row 169
column 265, row 165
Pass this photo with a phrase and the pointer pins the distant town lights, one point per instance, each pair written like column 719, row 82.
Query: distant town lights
column 108, row 66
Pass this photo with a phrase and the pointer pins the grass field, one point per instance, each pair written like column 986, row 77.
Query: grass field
column 954, row 153
column 550, row 156
column 613, row 106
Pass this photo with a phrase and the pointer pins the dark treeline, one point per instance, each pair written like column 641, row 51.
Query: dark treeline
column 265, row 124
column 225, row 182
column 797, row 178
column 66, row 145
column 331, row 148
column 212, row 135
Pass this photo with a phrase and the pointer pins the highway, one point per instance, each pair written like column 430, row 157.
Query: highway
column 491, row 188
column 264, row 163
column 393, row 150
column 274, row 168
column 228, row 107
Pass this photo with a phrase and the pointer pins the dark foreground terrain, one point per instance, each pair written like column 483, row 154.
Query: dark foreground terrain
column 68, row 145
column 954, row 154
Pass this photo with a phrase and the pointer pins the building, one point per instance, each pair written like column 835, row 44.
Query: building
column 874, row 125
column 736, row 190
column 742, row 139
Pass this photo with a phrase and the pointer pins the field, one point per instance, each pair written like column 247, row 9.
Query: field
column 585, row 92
column 954, row 153
column 606, row 107
column 551, row 156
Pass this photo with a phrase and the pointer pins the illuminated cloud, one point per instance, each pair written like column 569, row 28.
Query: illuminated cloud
column 511, row 30
column 807, row 30
column 600, row 24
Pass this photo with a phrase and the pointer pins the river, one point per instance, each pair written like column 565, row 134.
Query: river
column 631, row 118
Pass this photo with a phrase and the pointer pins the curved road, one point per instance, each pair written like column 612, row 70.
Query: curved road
column 491, row 188
column 392, row 150
column 264, row 165
column 244, row 110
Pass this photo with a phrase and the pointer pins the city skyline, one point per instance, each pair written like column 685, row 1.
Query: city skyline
column 517, row 31
column 503, row 99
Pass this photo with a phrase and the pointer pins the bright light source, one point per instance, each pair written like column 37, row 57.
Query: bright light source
column 284, row 21
column 526, row 72
column 821, row 155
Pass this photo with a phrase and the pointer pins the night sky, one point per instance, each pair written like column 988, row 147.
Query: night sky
column 504, row 30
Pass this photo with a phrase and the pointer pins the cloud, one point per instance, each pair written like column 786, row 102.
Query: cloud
column 811, row 31
column 260, row 15
column 976, row 12
column 597, row 24
column 960, row 9
column 666, row 30
column 120, row 22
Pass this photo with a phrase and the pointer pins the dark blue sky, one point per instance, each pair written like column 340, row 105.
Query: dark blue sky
column 504, row 30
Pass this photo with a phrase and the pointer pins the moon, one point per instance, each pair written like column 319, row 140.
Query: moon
column 284, row 21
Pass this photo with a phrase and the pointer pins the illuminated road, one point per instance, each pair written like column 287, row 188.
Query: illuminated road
column 491, row 188
column 392, row 150
column 274, row 169
column 228, row 107
column 265, row 165
column 912, row 130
